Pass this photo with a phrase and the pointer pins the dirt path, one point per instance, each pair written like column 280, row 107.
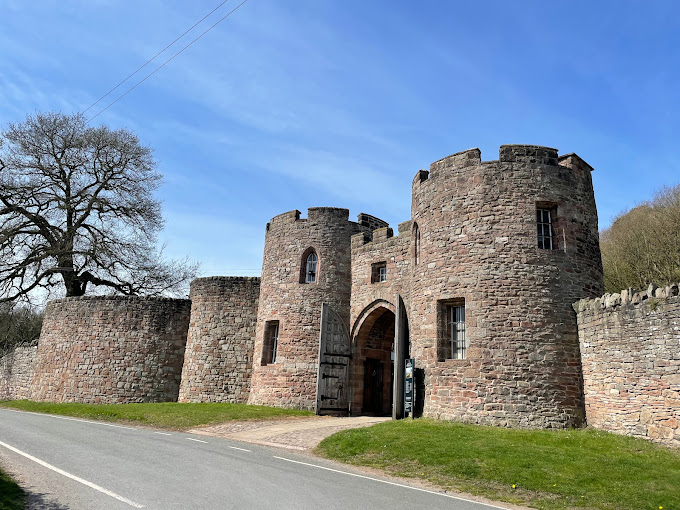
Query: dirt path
column 294, row 434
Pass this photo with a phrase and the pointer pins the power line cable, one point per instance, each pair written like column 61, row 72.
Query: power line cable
column 166, row 62
column 154, row 57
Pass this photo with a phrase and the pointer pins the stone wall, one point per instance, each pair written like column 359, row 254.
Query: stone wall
column 373, row 328
column 111, row 350
column 291, row 381
column 630, row 351
column 218, row 362
column 16, row 370
column 476, row 224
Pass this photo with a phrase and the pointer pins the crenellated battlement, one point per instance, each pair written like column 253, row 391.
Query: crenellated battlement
column 457, row 161
column 371, row 222
column 381, row 236
column 324, row 214
column 512, row 154
column 284, row 218
column 535, row 154
column 314, row 215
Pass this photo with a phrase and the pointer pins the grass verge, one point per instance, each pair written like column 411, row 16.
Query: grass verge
column 11, row 495
column 545, row 469
column 167, row 415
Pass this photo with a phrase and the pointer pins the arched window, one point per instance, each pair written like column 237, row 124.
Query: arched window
column 309, row 270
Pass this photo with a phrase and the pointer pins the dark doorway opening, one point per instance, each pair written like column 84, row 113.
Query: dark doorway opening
column 372, row 370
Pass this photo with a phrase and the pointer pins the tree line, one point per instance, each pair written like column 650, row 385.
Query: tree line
column 18, row 325
column 642, row 246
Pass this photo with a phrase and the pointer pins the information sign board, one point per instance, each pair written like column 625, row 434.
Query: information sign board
column 409, row 386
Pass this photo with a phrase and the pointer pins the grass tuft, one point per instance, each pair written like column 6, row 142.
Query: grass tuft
column 545, row 469
column 167, row 415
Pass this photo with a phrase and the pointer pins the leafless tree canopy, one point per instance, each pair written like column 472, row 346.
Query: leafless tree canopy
column 77, row 212
column 643, row 245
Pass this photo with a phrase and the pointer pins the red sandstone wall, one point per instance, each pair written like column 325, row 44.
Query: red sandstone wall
column 630, row 348
column 292, row 380
column 367, row 250
column 16, row 370
column 111, row 350
column 218, row 362
column 478, row 242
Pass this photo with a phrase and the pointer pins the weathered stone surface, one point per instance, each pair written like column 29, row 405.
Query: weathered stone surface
column 477, row 223
column 218, row 362
column 630, row 354
column 292, row 380
column 111, row 350
column 16, row 370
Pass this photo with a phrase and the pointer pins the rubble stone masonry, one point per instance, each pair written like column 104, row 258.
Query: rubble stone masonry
column 111, row 350
column 16, row 370
column 218, row 362
column 478, row 243
column 630, row 351
column 291, row 381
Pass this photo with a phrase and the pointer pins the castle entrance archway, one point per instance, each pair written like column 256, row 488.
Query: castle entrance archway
column 372, row 368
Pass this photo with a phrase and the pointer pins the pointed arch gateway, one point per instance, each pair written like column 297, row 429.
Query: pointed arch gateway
column 379, row 347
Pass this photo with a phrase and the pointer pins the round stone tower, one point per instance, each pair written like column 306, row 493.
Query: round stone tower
column 306, row 263
column 500, row 251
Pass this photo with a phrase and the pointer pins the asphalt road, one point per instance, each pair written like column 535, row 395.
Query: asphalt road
column 74, row 464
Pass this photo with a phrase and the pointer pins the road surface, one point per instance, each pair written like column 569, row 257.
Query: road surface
column 74, row 464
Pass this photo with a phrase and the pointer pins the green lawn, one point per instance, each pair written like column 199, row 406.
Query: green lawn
column 11, row 495
column 169, row 415
column 545, row 469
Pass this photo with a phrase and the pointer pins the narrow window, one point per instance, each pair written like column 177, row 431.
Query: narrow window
column 379, row 272
column 309, row 271
column 416, row 244
column 544, row 225
column 452, row 341
column 311, row 268
column 271, row 342
column 456, row 331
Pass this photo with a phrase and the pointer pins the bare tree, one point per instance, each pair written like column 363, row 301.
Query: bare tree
column 77, row 212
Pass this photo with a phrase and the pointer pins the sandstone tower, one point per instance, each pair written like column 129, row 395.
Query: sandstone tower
column 306, row 263
column 503, row 248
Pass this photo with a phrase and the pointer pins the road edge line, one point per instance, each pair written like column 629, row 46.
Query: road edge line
column 392, row 483
column 72, row 477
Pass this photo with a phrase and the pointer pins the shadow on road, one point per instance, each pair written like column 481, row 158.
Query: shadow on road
column 38, row 501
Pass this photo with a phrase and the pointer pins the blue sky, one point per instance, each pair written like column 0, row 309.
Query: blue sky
column 304, row 103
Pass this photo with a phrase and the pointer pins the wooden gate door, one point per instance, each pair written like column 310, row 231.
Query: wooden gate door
column 334, row 353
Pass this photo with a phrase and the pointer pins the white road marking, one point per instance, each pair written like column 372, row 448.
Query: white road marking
column 72, row 419
column 197, row 440
column 73, row 477
column 390, row 483
column 237, row 448
column 163, row 433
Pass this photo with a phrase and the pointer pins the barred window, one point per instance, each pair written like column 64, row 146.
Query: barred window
column 456, row 331
column 452, row 341
column 544, row 224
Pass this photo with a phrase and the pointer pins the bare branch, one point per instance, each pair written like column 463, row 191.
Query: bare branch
column 77, row 210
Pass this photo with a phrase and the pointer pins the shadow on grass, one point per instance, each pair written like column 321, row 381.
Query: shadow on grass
column 11, row 495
